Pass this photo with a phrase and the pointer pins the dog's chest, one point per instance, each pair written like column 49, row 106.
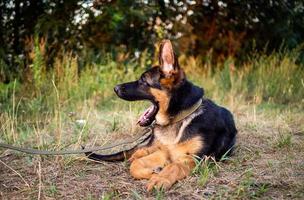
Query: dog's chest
column 172, row 134
column 167, row 135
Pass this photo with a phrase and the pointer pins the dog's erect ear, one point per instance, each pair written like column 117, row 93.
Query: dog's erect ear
column 169, row 66
column 167, row 59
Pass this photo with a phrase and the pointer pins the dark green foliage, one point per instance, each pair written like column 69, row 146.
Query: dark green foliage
column 212, row 29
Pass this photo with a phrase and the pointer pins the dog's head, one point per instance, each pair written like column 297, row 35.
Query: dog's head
column 164, row 85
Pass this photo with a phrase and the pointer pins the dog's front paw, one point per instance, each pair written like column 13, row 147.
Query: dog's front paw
column 138, row 154
column 158, row 182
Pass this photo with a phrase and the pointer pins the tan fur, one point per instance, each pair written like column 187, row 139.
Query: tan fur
column 168, row 82
column 169, row 66
column 176, row 161
column 172, row 79
column 172, row 133
column 144, row 151
column 170, row 174
column 163, row 100
column 166, row 55
column 167, row 134
column 187, row 148
column 144, row 167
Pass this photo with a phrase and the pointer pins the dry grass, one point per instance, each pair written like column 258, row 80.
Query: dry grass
column 268, row 162
column 64, row 108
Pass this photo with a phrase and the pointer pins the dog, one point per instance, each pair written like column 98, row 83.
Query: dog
column 186, row 125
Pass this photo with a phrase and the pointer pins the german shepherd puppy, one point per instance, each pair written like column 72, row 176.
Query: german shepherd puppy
column 185, row 124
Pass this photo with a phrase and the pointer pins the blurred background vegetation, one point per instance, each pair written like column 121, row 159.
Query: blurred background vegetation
column 210, row 30
column 64, row 52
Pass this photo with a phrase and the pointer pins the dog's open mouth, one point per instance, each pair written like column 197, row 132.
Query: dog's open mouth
column 148, row 116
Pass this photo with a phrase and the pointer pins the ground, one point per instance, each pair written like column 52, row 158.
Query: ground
column 268, row 163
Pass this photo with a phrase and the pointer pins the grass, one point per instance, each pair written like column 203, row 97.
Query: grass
column 63, row 108
column 204, row 169
column 284, row 140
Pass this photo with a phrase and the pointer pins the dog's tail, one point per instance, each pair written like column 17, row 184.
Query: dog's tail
column 120, row 156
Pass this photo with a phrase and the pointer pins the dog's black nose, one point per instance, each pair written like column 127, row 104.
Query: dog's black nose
column 119, row 88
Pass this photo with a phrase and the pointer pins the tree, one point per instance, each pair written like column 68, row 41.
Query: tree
column 220, row 27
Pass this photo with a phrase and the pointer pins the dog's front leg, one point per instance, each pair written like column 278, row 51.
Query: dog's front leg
column 142, row 152
column 145, row 167
column 172, row 173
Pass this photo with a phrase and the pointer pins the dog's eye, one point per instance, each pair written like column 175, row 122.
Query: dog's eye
column 143, row 82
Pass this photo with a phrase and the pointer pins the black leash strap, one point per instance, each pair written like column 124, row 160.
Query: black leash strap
column 140, row 140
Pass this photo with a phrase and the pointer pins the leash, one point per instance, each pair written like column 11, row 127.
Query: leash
column 140, row 140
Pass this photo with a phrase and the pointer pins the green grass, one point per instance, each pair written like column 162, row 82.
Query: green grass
column 267, row 81
column 109, row 196
column 283, row 140
column 159, row 193
column 274, row 80
column 204, row 169
column 65, row 107
column 52, row 190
